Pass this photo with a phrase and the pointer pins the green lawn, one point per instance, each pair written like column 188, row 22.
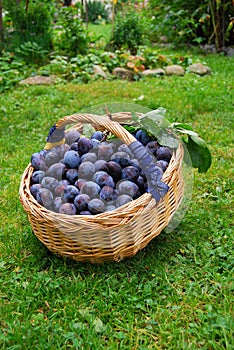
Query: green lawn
column 102, row 31
column 177, row 293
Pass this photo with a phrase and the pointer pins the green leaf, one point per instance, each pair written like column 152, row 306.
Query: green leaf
column 187, row 132
column 157, row 117
column 200, row 155
column 198, row 140
column 181, row 126
column 167, row 139
column 131, row 128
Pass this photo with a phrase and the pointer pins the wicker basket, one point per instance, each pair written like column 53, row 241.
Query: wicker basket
column 110, row 236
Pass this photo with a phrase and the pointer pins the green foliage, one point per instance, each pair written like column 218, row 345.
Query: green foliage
column 12, row 70
column 73, row 38
column 33, row 25
column 203, row 21
column 155, row 123
column 97, row 12
column 76, row 69
column 32, row 53
column 128, row 31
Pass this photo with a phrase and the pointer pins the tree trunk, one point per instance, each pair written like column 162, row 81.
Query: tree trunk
column 1, row 24
column 26, row 7
column 86, row 14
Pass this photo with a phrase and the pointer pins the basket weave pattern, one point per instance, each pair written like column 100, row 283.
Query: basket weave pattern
column 109, row 236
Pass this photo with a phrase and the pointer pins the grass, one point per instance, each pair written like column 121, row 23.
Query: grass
column 177, row 293
column 102, row 31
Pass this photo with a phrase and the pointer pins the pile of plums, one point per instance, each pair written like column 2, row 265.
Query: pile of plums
column 88, row 176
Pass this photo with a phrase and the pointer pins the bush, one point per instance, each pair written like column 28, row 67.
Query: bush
column 33, row 25
column 128, row 32
column 32, row 53
column 97, row 12
column 203, row 21
column 73, row 38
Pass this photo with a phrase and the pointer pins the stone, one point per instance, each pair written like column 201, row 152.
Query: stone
column 99, row 71
column 174, row 70
column 209, row 48
column 153, row 72
column 229, row 51
column 123, row 73
column 199, row 68
column 38, row 80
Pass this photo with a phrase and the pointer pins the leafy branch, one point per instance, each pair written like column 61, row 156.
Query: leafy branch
column 155, row 123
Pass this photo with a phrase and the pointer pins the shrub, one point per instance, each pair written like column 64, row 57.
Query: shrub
column 33, row 53
column 97, row 12
column 128, row 32
column 203, row 21
column 31, row 25
column 73, row 38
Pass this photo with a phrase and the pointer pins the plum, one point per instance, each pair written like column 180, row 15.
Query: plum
column 38, row 161
column 152, row 147
column 108, row 194
column 142, row 137
column 60, row 188
column 45, row 198
column 105, row 151
column 103, row 179
column 67, row 209
column 88, row 157
column 34, row 189
column 96, row 206
column 50, row 183
column 130, row 173
column 162, row 164
column 80, row 182
column 97, row 135
column 124, row 148
column 120, row 155
column 110, row 207
column 72, row 136
column 72, row 175
column 122, row 199
column 37, row 177
column 99, row 163
column 57, row 171
column 84, row 145
column 61, row 150
column 74, row 147
column 113, row 169
column 86, row 170
column 95, row 144
column 91, row 189
column 71, row 159
column 81, row 202
column 57, row 204
column 51, row 158
column 69, row 193
column 128, row 187
column 85, row 212
column 164, row 153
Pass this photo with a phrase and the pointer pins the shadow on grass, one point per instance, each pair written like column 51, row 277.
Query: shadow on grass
column 158, row 251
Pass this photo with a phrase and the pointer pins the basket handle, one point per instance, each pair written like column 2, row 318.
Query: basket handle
column 146, row 161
